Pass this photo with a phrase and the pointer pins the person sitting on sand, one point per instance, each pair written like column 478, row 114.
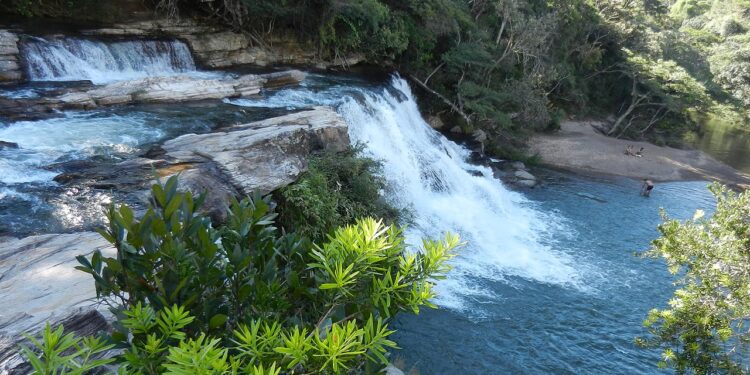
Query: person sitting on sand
column 629, row 150
column 648, row 185
column 639, row 153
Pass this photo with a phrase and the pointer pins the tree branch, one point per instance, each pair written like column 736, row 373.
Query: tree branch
column 441, row 97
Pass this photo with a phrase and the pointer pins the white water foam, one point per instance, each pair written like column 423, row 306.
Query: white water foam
column 72, row 137
column 73, row 59
column 428, row 174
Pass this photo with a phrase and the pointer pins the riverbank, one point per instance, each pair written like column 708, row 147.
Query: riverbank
column 580, row 148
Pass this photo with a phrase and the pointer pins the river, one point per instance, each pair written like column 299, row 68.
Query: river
column 547, row 283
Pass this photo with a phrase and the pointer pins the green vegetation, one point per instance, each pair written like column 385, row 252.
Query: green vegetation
column 337, row 189
column 511, row 67
column 80, row 10
column 244, row 298
column 704, row 329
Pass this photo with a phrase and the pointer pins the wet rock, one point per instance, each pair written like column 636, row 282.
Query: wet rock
column 8, row 145
column 479, row 136
column 392, row 370
column 155, row 152
column 163, row 89
column 456, row 130
column 38, row 284
column 499, row 173
column 526, row 183
column 518, row 165
column 523, row 175
column 435, row 122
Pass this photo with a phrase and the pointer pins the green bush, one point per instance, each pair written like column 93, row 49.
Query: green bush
column 337, row 189
column 244, row 298
column 704, row 328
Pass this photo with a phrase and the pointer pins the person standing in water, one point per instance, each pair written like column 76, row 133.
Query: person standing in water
column 648, row 185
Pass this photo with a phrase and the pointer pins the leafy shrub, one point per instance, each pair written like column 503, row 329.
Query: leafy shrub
column 704, row 328
column 244, row 298
column 337, row 189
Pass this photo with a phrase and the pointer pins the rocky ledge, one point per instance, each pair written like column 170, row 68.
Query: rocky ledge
column 219, row 48
column 10, row 69
column 239, row 160
column 164, row 89
column 38, row 282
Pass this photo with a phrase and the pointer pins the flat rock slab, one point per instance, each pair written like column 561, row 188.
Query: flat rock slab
column 162, row 89
column 38, row 284
column 265, row 155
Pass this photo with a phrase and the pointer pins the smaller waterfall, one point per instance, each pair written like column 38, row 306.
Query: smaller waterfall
column 73, row 59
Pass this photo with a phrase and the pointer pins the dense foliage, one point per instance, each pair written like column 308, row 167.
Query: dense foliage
column 704, row 329
column 509, row 67
column 337, row 189
column 245, row 298
column 80, row 10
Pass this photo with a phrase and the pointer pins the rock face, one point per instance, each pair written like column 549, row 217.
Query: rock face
column 218, row 48
column 10, row 69
column 38, row 283
column 163, row 89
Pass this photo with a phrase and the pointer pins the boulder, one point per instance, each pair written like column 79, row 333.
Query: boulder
column 479, row 135
column 38, row 284
column 518, row 165
column 264, row 155
column 435, row 122
column 523, row 175
column 526, row 183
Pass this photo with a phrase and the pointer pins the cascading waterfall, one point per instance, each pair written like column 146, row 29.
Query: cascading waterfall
column 73, row 59
column 429, row 175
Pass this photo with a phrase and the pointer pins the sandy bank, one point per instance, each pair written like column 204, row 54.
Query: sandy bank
column 580, row 148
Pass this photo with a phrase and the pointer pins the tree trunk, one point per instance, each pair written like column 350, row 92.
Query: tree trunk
column 443, row 98
column 636, row 99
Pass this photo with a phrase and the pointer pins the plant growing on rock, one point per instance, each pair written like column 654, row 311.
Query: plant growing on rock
column 337, row 189
column 244, row 298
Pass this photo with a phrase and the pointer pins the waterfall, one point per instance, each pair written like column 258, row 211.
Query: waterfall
column 74, row 59
column 430, row 176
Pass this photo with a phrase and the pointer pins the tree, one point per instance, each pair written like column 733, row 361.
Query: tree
column 705, row 328
column 659, row 87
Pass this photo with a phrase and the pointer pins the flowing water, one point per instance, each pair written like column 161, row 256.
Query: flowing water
column 76, row 59
column 547, row 283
